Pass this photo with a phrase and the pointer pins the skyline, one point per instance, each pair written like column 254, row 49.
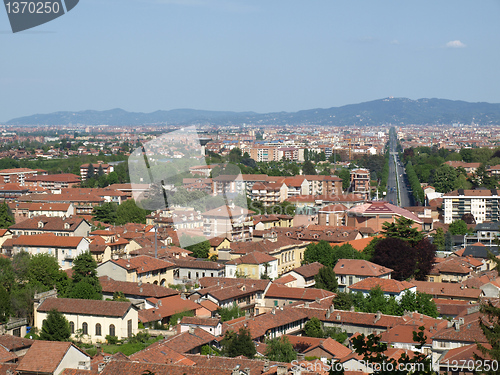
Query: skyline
column 258, row 56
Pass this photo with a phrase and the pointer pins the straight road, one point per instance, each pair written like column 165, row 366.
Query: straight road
column 397, row 178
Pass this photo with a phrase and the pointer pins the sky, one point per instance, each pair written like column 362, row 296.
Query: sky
column 242, row 55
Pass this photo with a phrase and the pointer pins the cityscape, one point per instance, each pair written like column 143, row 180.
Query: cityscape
column 194, row 187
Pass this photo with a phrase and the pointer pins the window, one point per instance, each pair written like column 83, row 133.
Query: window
column 85, row 328
column 72, row 327
column 275, row 303
column 112, row 330
column 98, row 329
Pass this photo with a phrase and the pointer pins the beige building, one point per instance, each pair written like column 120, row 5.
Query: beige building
column 142, row 268
column 94, row 319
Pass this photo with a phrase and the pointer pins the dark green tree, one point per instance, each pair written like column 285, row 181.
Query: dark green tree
column 5, row 305
column 200, row 249
column 6, row 216
column 280, row 349
column 438, row 239
column 403, row 230
column 55, row 327
column 85, row 283
column 106, row 213
column 458, row 227
column 230, row 313
column 44, row 274
column 491, row 330
column 343, row 301
column 236, row 344
column 313, row 328
column 308, row 168
column 326, row 279
column 396, row 254
column 129, row 212
column 7, row 275
column 90, row 171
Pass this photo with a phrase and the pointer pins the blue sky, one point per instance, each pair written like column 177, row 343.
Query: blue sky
column 260, row 55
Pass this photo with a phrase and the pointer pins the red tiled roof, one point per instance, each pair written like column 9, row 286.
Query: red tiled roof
column 46, row 240
column 85, row 307
column 129, row 288
column 360, row 267
column 38, row 360
column 143, row 263
column 166, row 307
column 387, row 285
column 299, row 294
column 253, row 258
column 53, row 223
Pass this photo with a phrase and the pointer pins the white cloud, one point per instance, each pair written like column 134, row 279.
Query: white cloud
column 455, row 44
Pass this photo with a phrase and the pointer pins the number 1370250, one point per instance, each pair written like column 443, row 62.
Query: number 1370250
column 39, row 7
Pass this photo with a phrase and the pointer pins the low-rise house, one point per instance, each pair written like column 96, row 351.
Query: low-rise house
column 11, row 191
column 94, row 319
column 51, row 209
column 401, row 337
column 161, row 310
column 390, row 287
column 278, row 295
column 64, row 249
column 241, row 295
column 263, row 222
column 351, row 271
column 253, row 266
column 191, row 270
column 54, row 182
column 304, row 275
column 492, row 288
column 137, row 293
column 218, row 243
column 211, row 325
column 142, row 268
column 325, row 349
column 60, row 226
column 451, row 291
column 461, row 358
column 52, row 357
column 13, row 347
column 231, row 221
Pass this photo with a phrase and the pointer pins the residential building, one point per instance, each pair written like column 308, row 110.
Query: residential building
column 144, row 269
column 94, row 318
column 253, row 266
column 191, row 270
column 54, row 182
column 360, row 182
column 106, row 168
column 278, row 295
column 483, row 204
column 16, row 175
column 60, row 226
column 304, row 275
column 231, row 221
column 351, row 271
column 64, row 249
column 390, row 287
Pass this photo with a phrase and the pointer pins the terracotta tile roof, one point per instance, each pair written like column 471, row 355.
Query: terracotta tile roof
column 49, row 206
column 86, row 307
column 470, row 331
column 6, row 356
column 63, row 177
column 447, row 290
column 161, row 354
column 265, row 246
column 360, row 267
column 13, row 343
column 451, row 307
column 255, row 258
column 199, row 321
column 285, row 279
column 53, row 223
column 383, row 208
column 259, row 285
column 260, row 325
column 331, row 346
column 387, row 285
column 45, row 240
column 308, row 270
column 197, row 264
column 361, row 243
column 209, row 305
column 129, row 288
column 166, row 307
column 403, row 333
column 216, row 241
column 463, row 355
column 300, row 294
column 187, row 341
column 223, row 293
column 143, row 263
column 452, row 265
column 36, row 359
column 13, row 187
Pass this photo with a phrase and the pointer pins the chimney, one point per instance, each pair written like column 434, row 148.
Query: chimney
column 457, row 326
column 301, row 356
column 328, row 314
column 266, row 366
column 191, row 330
column 282, row 370
column 247, row 370
column 450, row 323
column 378, row 315
column 352, row 309
column 273, row 311
column 236, row 370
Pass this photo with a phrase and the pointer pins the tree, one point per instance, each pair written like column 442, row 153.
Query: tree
column 313, row 328
column 372, row 350
column 230, row 313
column 444, row 178
column 235, row 155
column 280, row 349
column 7, row 276
column 200, row 249
column 90, row 171
column 396, row 254
column 458, row 227
column 326, row 279
column 106, row 213
column 129, row 212
column 491, row 330
column 425, row 253
column 438, row 239
column 85, row 283
column 308, row 168
column 236, row 344
column 426, row 305
column 6, row 216
column 343, row 301
column 403, row 230
column 44, row 274
column 448, row 241
column 5, row 305
column 55, row 327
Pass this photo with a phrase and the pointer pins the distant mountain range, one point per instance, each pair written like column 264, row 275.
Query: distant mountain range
column 395, row 111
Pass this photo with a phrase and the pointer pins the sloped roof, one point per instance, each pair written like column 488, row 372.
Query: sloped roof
column 85, row 307
column 129, row 288
column 360, row 267
column 387, row 285
column 38, row 360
